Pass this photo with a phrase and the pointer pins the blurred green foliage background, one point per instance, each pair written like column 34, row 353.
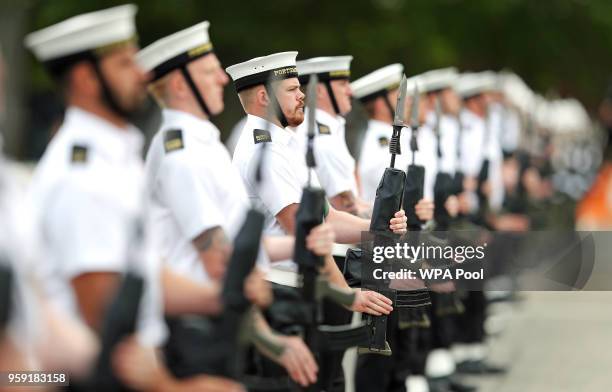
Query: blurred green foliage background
column 560, row 47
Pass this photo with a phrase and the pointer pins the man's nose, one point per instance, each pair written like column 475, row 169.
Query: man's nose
column 223, row 77
column 144, row 76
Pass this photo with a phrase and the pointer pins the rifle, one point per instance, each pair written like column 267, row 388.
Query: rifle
column 235, row 328
column 409, row 303
column 119, row 322
column 6, row 294
column 457, row 185
column 483, row 175
column 314, row 287
column 388, row 201
column 415, row 179
column 444, row 182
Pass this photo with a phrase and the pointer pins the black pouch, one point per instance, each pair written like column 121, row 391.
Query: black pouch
column 388, row 199
column 413, row 192
column 287, row 314
column 352, row 267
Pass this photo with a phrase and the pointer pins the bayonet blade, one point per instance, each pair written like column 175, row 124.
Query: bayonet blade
column 414, row 123
column 401, row 103
column 438, row 116
column 311, row 103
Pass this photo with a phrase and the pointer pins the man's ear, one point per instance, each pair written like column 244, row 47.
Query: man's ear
column 261, row 96
column 82, row 78
column 176, row 83
column 379, row 104
column 321, row 92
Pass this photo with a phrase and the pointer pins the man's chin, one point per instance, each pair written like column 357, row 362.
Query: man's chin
column 295, row 121
column 217, row 110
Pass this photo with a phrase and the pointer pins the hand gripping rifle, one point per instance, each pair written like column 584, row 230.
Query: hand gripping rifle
column 388, row 201
column 315, row 287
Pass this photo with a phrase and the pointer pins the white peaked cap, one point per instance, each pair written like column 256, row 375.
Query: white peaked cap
column 93, row 30
column 562, row 116
column 175, row 50
column 439, row 79
column 326, row 67
column 516, row 91
column 259, row 70
column 412, row 82
column 490, row 80
column 377, row 82
column 470, row 84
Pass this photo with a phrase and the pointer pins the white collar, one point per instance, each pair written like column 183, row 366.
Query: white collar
column 468, row 117
column 199, row 128
column 112, row 141
column 379, row 125
column 430, row 118
column 328, row 119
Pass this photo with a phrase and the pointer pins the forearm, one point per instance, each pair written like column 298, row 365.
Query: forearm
column 333, row 274
column 164, row 381
column 347, row 227
column 279, row 247
column 364, row 208
column 266, row 334
column 345, row 201
column 183, row 295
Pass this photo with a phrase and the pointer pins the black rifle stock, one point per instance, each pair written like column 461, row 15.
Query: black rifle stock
column 235, row 327
column 413, row 192
column 457, row 185
column 6, row 295
column 483, row 175
column 119, row 323
column 388, row 201
column 444, row 183
column 309, row 215
column 443, row 189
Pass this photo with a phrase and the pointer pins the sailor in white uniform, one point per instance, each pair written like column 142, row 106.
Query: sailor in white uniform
column 285, row 168
column 478, row 144
column 335, row 164
column 87, row 191
column 378, row 93
column 87, row 187
column 197, row 196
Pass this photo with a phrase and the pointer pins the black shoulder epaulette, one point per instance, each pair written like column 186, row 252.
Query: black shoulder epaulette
column 79, row 153
column 383, row 141
column 261, row 136
column 323, row 129
column 173, row 140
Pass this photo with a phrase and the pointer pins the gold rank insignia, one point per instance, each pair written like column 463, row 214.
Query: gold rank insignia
column 173, row 140
column 261, row 136
column 383, row 141
column 323, row 129
column 79, row 154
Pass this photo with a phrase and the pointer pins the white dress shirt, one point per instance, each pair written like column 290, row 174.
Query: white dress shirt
column 87, row 195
